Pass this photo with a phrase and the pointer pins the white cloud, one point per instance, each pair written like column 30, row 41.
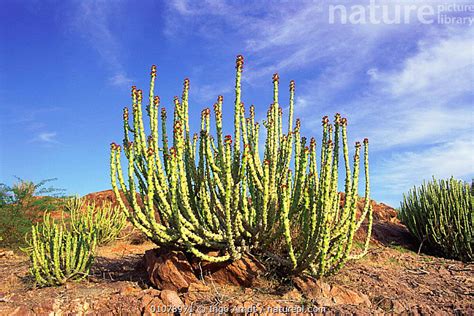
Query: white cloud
column 401, row 171
column 93, row 22
column 373, row 73
column 120, row 79
column 46, row 138
column 406, row 87
column 427, row 101
column 448, row 64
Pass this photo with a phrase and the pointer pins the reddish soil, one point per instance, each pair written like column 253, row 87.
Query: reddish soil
column 393, row 277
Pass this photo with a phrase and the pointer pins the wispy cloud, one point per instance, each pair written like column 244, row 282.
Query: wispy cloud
column 401, row 171
column 93, row 22
column 33, row 122
column 120, row 79
column 408, row 88
column 427, row 100
column 47, row 138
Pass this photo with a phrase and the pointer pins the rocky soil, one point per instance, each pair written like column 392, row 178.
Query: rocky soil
column 391, row 279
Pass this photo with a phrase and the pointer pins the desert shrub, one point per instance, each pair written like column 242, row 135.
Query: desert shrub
column 23, row 192
column 58, row 255
column 5, row 196
column 105, row 221
column 204, row 193
column 440, row 215
column 21, row 206
column 14, row 224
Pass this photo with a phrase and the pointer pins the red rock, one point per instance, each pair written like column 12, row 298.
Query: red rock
column 169, row 270
column 311, row 287
column 293, row 294
column 341, row 295
column 242, row 272
column 326, row 295
column 152, row 305
column 171, row 298
column 198, row 287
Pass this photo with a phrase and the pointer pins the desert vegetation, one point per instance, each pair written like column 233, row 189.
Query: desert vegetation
column 232, row 220
column 202, row 193
column 21, row 205
column 104, row 221
column 59, row 255
column 440, row 215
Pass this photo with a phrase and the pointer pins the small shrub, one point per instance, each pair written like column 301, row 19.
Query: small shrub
column 440, row 215
column 14, row 224
column 58, row 255
column 21, row 205
column 23, row 192
column 105, row 221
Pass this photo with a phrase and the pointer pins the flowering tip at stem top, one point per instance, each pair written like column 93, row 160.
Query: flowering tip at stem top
column 343, row 121
column 266, row 162
column 366, row 140
column 228, row 139
column 239, row 62
column 276, row 77
column 325, row 120
column 298, row 123
column 357, row 144
column 220, row 98
column 206, row 112
column 156, row 100
column 292, row 85
column 153, row 70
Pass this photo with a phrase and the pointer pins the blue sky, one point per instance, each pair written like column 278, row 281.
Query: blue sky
column 66, row 68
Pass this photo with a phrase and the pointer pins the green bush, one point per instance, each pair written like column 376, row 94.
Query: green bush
column 14, row 224
column 58, row 255
column 440, row 215
column 105, row 221
column 201, row 193
column 21, row 205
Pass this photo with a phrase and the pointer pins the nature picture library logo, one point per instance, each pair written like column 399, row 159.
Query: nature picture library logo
column 402, row 12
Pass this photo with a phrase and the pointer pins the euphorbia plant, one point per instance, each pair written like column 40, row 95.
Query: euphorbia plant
column 206, row 193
